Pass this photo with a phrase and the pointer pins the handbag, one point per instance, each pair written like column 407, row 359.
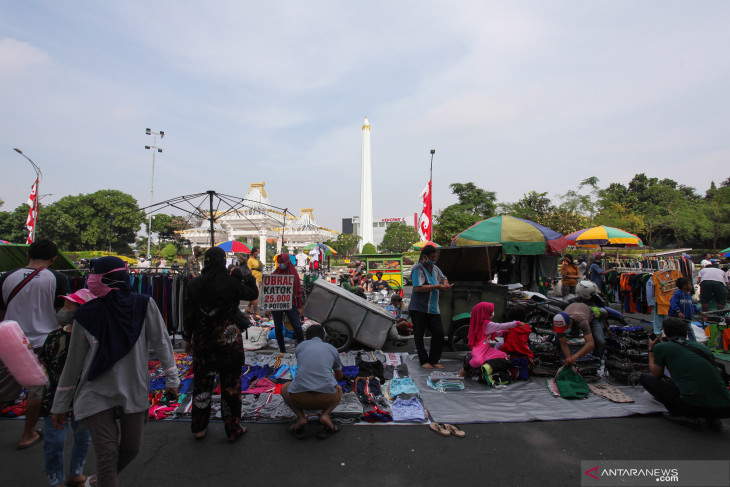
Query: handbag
column 240, row 319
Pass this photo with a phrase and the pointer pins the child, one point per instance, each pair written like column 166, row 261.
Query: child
column 681, row 305
column 53, row 356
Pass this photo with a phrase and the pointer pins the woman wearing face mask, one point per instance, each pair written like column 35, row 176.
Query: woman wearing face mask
column 105, row 376
column 53, row 357
column 285, row 267
column 213, row 335
column 428, row 280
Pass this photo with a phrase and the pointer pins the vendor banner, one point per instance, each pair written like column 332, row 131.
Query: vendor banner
column 424, row 222
column 277, row 292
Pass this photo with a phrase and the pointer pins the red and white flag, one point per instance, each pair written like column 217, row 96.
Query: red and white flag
column 425, row 225
column 32, row 212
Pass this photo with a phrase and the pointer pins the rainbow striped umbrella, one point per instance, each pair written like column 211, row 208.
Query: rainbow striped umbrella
column 423, row 243
column 603, row 236
column 517, row 236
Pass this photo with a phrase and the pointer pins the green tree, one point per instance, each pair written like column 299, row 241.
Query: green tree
column 345, row 245
column 573, row 201
column 165, row 226
column 369, row 249
column 169, row 252
column 717, row 209
column 533, row 206
column 398, row 238
column 620, row 216
column 12, row 224
column 106, row 218
column 475, row 204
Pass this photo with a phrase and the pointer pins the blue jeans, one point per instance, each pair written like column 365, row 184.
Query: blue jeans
column 53, row 445
column 599, row 340
column 293, row 315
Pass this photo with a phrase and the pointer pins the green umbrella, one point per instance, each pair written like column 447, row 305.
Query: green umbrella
column 517, row 236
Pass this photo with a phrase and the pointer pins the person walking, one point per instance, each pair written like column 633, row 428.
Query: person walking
column 31, row 296
column 257, row 269
column 53, row 357
column 213, row 335
column 105, row 376
column 428, row 280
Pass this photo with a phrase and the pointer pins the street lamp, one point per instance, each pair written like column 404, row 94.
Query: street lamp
column 38, row 177
column 154, row 149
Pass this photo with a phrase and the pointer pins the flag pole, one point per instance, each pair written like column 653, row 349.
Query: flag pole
column 430, row 197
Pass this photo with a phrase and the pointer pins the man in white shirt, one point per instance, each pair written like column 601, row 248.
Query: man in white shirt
column 706, row 262
column 713, row 285
column 30, row 297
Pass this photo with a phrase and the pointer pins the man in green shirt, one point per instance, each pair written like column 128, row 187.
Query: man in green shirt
column 696, row 388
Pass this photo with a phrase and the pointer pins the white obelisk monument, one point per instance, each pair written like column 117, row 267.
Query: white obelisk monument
column 366, row 189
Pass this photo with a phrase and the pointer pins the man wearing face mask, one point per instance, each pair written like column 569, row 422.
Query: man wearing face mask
column 29, row 296
column 428, row 280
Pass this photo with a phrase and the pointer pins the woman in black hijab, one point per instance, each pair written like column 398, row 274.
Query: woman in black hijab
column 213, row 335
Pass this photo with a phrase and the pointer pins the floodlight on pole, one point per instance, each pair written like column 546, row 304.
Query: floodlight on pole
column 152, row 184
column 38, row 177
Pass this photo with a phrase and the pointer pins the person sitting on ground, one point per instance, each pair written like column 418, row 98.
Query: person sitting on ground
column 713, row 286
column 53, row 357
column 681, row 305
column 402, row 319
column 579, row 316
column 315, row 385
column 696, row 388
column 569, row 273
column 481, row 331
column 379, row 284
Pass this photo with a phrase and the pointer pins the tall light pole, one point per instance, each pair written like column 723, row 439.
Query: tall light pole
column 154, row 149
column 38, row 176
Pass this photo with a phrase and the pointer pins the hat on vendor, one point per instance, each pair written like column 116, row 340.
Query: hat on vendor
column 80, row 297
column 561, row 322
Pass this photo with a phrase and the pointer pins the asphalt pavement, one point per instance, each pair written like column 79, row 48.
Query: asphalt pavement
column 503, row 454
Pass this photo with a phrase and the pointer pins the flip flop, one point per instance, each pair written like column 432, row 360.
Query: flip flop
column 298, row 433
column 440, row 429
column 455, row 430
column 37, row 440
column 437, row 366
column 239, row 433
column 195, row 435
column 327, row 432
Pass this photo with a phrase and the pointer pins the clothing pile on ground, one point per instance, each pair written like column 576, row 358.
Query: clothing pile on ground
column 376, row 388
column 627, row 355
column 548, row 361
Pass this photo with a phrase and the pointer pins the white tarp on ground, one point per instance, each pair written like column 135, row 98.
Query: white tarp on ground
column 519, row 402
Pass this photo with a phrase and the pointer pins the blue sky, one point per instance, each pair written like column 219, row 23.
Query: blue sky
column 514, row 96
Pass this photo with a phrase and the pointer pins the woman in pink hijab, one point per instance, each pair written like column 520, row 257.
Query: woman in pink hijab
column 481, row 330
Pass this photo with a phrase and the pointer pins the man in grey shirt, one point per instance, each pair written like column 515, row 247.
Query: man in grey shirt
column 315, row 385
column 30, row 297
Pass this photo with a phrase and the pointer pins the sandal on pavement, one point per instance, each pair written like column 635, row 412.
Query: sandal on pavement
column 79, row 482
column 455, row 430
column 201, row 434
column 440, row 429
column 298, row 433
column 237, row 434
column 34, row 442
column 327, row 432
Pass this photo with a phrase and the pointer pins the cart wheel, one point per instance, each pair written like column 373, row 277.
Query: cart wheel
column 338, row 334
column 459, row 336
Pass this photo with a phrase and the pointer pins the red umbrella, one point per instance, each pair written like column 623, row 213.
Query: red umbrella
column 234, row 246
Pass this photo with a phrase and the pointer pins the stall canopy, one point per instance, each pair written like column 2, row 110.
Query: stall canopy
column 604, row 236
column 14, row 256
column 517, row 236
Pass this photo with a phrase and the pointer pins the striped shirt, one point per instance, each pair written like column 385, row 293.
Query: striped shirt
column 427, row 302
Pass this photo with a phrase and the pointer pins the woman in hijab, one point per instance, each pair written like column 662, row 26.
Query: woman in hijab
column 481, row 330
column 286, row 268
column 213, row 335
column 105, row 376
